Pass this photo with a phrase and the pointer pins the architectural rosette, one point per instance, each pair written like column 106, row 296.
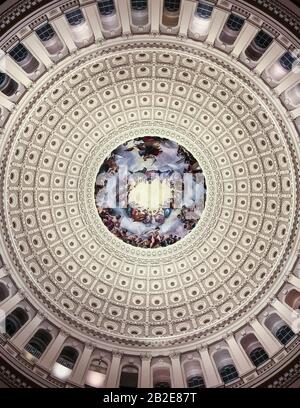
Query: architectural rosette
column 224, row 295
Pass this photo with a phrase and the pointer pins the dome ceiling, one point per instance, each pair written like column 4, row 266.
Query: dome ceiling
column 228, row 266
column 166, row 96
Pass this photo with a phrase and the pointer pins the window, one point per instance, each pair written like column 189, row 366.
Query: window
column 204, row 10
column 106, row 7
column 15, row 320
column 228, row 373
column 195, row 382
column 263, row 40
column 45, row 32
column 234, row 22
column 19, row 53
column 284, row 334
column 293, row 297
column 139, row 4
column 75, row 17
column 64, row 365
column 129, row 377
column 68, row 357
column 38, row 344
column 287, row 61
column 172, row 5
column 258, row 356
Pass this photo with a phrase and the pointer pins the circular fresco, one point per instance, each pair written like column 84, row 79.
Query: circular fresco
column 150, row 192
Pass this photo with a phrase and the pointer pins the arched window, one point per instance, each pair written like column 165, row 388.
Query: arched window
column 193, row 374
column 50, row 39
column 201, row 20
column 254, row 349
column 75, row 17
column 108, row 15
column 258, row 356
column 228, row 373
column 232, row 29
column 258, row 46
column 15, row 320
column 39, row 342
column 277, row 71
column 279, row 328
column 293, row 297
column 129, row 377
column 284, row 334
column 263, row 40
column 225, row 366
column 4, row 293
column 24, row 58
column 204, row 10
column 65, row 363
column 171, row 13
column 45, row 32
column 287, row 61
column 80, row 29
column 139, row 12
column 161, row 377
column 106, row 7
column 7, row 85
column 96, row 375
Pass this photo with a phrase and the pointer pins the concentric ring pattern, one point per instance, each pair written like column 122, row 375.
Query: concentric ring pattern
column 226, row 267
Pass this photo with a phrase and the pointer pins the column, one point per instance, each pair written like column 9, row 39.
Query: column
column 187, row 12
column 11, row 68
column 294, row 280
column 6, row 103
column 10, row 303
column 93, row 17
column 218, row 19
column 239, row 357
column 35, row 46
column 60, row 25
column 270, row 56
column 113, row 375
column 265, row 337
column 210, row 373
column 47, row 360
column 146, row 371
column 288, row 82
column 24, row 335
column 287, row 314
column 124, row 16
column 178, row 381
column 155, row 10
column 248, row 32
column 78, row 374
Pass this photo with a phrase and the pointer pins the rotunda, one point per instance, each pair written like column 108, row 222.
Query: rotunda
column 149, row 213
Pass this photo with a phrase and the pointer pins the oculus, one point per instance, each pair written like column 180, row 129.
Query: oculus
column 150, row 192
